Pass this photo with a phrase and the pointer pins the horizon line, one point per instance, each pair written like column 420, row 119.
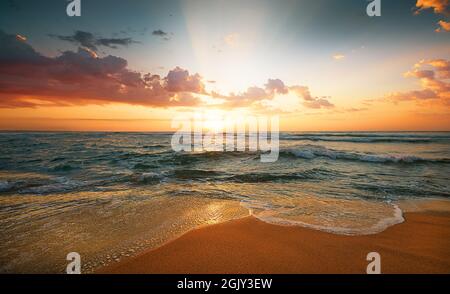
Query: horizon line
column 173, row 131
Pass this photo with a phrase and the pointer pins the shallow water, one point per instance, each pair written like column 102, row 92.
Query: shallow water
column 108, row 195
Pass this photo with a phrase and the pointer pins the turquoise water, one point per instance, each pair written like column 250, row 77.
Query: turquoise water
column 109, row 195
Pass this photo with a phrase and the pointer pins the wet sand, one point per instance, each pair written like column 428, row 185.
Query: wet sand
column 419, row 245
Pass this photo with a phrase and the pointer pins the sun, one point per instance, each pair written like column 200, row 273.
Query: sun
column 217, row 120
column 214, row 120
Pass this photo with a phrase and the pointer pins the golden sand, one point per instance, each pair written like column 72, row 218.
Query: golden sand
column 419, row 245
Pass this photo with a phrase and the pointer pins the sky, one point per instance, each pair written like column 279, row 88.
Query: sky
column 321, row 65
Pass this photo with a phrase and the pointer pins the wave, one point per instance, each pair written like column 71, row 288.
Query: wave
column 16, row 184
column 251, row 177
column 65, row 167
column 311, row 152
column 144, row 166
column 361, row 139
column 218, row 176
column 310, row 174
column 148, row 178
column 6, row 186
column 156, row 146
column 39, row 185
column 186, row 158
column 440, row 135
column 376, row 228
column 196, row 174
column 400, row 189
column 61, row 186
column 304, row 151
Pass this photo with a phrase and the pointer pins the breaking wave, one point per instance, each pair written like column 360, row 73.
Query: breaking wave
column 311, row 152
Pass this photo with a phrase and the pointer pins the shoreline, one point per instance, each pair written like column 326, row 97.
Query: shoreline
column 421, row 244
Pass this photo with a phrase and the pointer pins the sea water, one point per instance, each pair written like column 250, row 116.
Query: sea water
column 109, row 195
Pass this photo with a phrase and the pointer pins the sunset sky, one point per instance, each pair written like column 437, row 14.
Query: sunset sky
column 134, row 65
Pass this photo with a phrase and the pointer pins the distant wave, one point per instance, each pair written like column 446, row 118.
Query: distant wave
column 148, row 178
column 361, row 139
column 186, row 158
column 311, row 174
column 195, row 174
column 38, row 185
column 401, row 189
column 364, row 135
column 219, row 176
column 156, row 146
column 64, row 167
column 251, row 177
column 305, row 151
column 62, row 185
column 311, row 152
column 368, row 137
column 6, row 186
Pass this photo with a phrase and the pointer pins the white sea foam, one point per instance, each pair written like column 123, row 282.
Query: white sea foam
column 275, row 215
column 310, row 152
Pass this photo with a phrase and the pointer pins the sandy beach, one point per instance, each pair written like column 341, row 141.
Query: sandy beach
column 419, row 245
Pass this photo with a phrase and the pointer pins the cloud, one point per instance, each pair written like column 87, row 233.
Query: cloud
column 231, row 40
column 88, row 40
column 30, row 79
column 21, row 38
column 308, row 100
column 318, row 103
column 253, row 95
column 91, row 52
column 160, row 33
column 276, row 86
column 441, row 66
column 338, row 56
column 81, row 78
column 14, row 50
column 302, row 92
column 265, row 96
column 179, row 80
column 438, row 6
column 443, row 26
column 114, row 42
column 355, row 109
column 424, row 94
column 432, row 75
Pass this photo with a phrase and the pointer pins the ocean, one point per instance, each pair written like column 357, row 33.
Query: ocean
column 108, row 196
